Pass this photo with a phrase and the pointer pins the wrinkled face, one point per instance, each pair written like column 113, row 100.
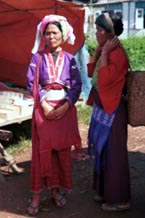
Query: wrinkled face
column 102, row 36
column 53, row 37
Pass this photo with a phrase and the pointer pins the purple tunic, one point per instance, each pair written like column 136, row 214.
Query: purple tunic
column 70, row 76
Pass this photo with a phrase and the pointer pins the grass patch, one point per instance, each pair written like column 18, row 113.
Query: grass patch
column 21, row 137
column 134, row 46
column 84, row 114
column 19, row 147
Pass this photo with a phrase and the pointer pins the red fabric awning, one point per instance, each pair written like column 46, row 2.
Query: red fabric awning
column 18, row 23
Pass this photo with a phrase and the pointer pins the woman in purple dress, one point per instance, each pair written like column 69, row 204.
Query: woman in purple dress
column 54, row 80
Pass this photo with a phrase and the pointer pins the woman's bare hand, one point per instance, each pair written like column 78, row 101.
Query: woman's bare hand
column 61, row 110
column 94, row 58
column 110, row 45
column 48, row 110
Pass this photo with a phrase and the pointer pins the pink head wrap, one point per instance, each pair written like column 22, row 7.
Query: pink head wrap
column 67, row 31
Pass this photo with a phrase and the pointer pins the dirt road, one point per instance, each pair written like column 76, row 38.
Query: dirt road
column 14, row 192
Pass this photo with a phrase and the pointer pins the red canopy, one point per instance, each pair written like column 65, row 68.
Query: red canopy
column 18, row 23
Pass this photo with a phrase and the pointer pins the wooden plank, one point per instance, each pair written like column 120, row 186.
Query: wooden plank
column 14, row 108
column 19, row 119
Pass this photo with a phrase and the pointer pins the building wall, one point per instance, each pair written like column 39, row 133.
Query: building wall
column 133, row 14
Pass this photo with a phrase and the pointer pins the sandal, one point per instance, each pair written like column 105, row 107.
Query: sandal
column 59, row 200
column 115, row 207
column 33, row 210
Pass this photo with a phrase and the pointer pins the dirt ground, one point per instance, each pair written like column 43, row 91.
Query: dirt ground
column 14, row 192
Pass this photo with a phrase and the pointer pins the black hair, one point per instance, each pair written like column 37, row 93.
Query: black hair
column 55, row 23
column 116, row 18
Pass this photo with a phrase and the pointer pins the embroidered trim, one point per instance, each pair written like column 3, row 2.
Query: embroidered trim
column 55, row 70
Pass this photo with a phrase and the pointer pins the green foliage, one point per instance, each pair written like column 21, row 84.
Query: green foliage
column 84, row 113
column 134, row 46
column 90, row 44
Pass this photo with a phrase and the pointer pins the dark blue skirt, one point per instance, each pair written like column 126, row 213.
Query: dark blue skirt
column 113, row 184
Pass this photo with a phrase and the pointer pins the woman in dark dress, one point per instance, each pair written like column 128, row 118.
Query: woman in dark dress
column 108, row 127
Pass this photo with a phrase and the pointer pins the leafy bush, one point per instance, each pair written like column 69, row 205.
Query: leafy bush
column 134, row 46
column 90, row 44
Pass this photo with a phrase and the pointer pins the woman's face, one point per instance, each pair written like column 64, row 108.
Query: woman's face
column 53, row 37
column 102, row 36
